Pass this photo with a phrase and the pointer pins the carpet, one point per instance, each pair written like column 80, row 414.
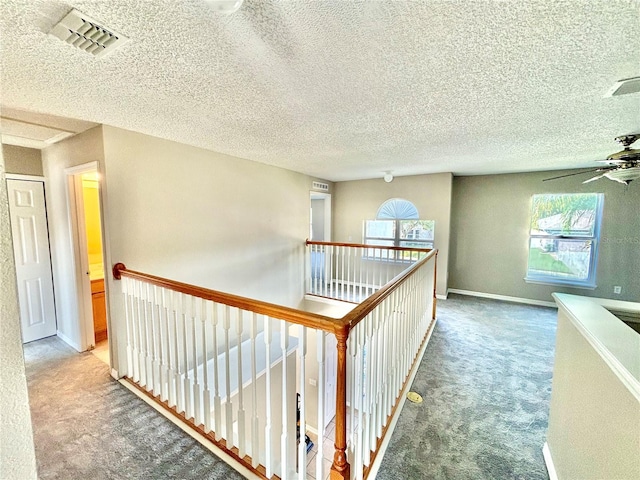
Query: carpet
column 486, row 383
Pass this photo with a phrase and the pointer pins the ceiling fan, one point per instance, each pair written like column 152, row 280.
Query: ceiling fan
column 622, row 166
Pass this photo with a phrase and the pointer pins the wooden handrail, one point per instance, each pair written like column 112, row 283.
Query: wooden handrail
column 364, row 245
column 341, row 328
column 288, row 314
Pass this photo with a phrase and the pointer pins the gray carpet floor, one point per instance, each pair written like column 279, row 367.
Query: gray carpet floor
column 88, row 426
column 485, row 379
column 486, row 382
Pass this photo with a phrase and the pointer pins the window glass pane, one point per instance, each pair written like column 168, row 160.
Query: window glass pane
column 560, row 259
column 417, row 229
column 564, row 214
column 380, row 229
column 377, row 253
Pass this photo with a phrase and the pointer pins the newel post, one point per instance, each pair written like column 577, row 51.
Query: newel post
column 341, row 470
column 117, row 268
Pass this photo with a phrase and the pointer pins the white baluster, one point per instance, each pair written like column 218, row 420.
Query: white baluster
column 267, row 429
column 139, row 348
column 302, row 425
column 284, row 439
column 196, row 387
column 255, row 436
column 128, row 322
column 241, row 413
column 186, row 388
column 217, row 403
column 321, row 347
column 228, row 406
column 148, row 322
column 179, row 351
column 164, row 346
column 172, row 343
column 156, row 337
column 206, row 393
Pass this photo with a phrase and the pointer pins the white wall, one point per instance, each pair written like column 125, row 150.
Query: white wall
column 83, row 148
column 357, row 201
column 17, row 457
column 594, row 417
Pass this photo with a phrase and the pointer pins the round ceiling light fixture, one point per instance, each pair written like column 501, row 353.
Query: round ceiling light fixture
column 388, row 177
column 225, row 6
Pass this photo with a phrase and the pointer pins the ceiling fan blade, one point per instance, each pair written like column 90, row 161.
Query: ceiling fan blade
column 572, row 174
column 593, row 179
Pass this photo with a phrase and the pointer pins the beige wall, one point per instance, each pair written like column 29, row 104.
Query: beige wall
column 17, row 458
column 489, row 243
column 206, row 218
column 357, row 201
column 80, row 149
column 21, row 160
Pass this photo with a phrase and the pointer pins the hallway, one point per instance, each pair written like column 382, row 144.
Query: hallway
column 88, row 426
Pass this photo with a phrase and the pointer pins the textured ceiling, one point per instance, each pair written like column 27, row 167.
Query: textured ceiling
column 344, row 89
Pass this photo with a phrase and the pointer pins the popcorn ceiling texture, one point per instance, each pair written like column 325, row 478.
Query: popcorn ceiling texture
column 345, row 89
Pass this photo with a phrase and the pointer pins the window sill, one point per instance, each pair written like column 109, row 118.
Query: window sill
column 560, row 282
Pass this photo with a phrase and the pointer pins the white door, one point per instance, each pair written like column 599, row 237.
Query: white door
column 33, row 261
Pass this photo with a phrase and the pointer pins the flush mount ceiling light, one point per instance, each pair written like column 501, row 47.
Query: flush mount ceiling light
column 624, row 87
column 83, row 32
column 388, row 177
column 225, row 6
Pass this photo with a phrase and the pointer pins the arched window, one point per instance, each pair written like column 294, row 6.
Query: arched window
column 398, row 224
column 397, row 209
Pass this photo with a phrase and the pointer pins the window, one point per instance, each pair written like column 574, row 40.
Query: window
column 563, row 238
column 398, row 224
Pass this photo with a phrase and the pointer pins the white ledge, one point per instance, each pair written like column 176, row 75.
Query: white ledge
column 615, row 342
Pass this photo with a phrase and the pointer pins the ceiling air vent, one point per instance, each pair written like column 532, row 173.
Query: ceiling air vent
column 320, row 186
column 84, row 33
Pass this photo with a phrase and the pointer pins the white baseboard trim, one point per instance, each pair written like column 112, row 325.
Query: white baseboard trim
column 504, row 298
column 441, row 297
column 189, row 431
column 375, row 466
column 69, row 342
column 551, row 470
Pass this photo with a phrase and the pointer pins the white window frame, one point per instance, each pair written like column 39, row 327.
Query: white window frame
column 395, row 210
column 590, row 281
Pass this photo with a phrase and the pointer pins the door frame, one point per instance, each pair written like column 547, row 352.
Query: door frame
column 80, row 253
column 327, row 212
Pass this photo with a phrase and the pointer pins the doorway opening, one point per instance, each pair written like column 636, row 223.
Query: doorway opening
column 85, row 196
column 320, row 219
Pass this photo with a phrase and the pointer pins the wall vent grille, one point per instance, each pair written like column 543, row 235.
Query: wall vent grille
column 320, row 186
column 82, row 32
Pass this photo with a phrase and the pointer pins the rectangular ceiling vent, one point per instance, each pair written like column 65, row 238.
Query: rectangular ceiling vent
column 84, row 33
column 320, row 186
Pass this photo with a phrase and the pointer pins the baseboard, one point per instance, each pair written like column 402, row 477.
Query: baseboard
column 192, row 433
column 551, row 470
column 504, row 298
column 69, row 342
column 441, row 297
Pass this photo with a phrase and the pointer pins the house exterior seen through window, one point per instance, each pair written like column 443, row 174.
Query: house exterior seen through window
column 398, row 224
column 563, row 238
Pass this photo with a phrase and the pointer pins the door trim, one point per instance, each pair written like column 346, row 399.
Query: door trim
column 80, row 254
